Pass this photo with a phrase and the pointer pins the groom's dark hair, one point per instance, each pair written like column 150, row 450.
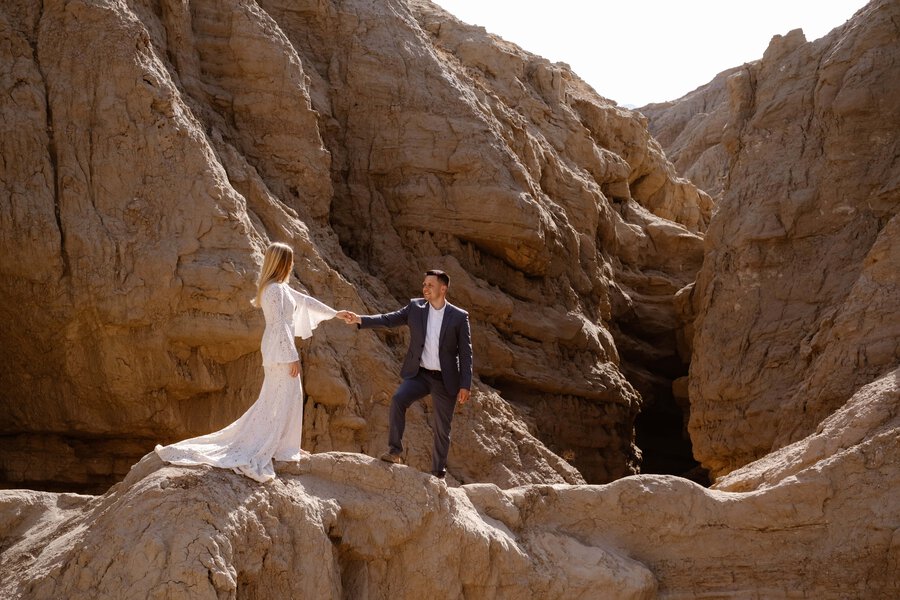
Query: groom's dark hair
column 442, row 277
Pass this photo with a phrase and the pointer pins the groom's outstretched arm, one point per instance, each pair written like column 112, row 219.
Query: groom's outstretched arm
column 393, row 319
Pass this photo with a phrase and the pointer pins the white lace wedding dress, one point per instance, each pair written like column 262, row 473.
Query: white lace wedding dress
column 273, row 426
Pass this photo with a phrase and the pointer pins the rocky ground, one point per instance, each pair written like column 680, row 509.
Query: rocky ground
column 817, row 519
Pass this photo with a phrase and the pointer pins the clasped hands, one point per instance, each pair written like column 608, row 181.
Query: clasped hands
column 350, row 318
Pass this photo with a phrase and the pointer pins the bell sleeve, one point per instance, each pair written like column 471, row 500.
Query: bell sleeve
column 308, row 313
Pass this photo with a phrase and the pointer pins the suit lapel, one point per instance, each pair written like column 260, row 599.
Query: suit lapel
column 424, row 318
column 444, row 321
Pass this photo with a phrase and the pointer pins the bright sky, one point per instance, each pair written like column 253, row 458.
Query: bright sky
column 642, row 51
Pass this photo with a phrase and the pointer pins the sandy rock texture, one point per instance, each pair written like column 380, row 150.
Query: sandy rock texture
column 152, row 148
column 802, row 257
column 819, row 519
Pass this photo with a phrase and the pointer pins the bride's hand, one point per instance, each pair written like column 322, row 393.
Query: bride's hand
column 295, row 368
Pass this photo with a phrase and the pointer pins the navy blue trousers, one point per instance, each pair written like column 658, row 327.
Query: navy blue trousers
column 412, row 390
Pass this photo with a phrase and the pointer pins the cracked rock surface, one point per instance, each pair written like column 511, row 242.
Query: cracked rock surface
column 152, row 148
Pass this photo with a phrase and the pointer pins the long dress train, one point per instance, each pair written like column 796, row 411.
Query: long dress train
column 273, row 426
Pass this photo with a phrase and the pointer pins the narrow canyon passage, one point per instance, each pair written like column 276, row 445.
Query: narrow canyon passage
column 652, row 329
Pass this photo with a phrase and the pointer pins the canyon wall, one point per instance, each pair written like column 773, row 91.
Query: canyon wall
column 796, row 303
column 152, row 149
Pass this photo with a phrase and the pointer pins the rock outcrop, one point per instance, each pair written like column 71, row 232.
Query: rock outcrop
column 822, row 519
column 802, row 257
column 152, row 148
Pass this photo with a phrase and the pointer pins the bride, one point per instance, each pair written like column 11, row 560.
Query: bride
column 273, row 426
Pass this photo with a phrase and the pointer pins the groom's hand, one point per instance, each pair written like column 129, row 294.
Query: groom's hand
column 463, row 396
column 295, row 368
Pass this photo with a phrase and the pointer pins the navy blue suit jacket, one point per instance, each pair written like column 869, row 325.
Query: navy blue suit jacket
column 454, row 345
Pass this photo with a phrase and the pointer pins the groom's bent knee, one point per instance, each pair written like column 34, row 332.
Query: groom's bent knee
column 408, row 392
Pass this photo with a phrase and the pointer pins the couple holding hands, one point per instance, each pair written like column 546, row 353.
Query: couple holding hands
column 438, row 362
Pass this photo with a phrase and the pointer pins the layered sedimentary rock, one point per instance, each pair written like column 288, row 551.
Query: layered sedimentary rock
column 796, row 303
column 152, row 148
column 820, row 517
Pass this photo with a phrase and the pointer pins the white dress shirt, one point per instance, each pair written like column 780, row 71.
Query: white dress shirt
column 430, row 358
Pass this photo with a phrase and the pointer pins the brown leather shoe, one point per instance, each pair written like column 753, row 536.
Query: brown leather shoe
column 391, row 458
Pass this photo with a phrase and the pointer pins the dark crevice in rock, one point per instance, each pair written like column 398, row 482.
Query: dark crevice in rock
column 53, row 155
column 54, row 462
column 650, row 360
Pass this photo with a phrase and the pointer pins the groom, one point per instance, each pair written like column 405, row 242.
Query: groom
column 438, row 362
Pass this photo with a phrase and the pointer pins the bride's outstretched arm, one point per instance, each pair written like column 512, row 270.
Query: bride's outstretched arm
column 309, row 313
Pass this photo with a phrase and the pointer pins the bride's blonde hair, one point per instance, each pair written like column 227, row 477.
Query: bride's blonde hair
column 276, row 268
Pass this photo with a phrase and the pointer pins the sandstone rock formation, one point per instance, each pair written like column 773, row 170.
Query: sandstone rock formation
column 820, row 519
column 152, row 148
column 802, row 257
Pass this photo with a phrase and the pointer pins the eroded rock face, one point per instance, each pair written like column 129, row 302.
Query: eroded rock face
column 152, row 149
column 796, row 303
column 693, row 129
